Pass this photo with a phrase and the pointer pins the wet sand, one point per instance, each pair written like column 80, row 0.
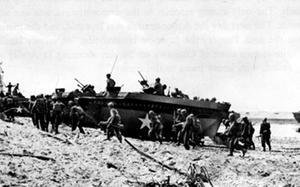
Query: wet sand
column 90, row 161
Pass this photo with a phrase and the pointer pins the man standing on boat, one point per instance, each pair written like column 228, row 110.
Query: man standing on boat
column 110, row 83
column 158, row 87
column 9, row 87
column 265, row 133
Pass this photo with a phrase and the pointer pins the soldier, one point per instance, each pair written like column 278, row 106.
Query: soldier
column 113, row 123
column 77, row 116
column 39, row 110
column 234, row 133
column 179, row 123
column 247, row 133
column 177, row 120
column 49, row 109
column 110, row 83
column 57, row 112
column 9, row 87
column 15, row 92
column 188, row 128
column 33, row 115
column 158, row 87
column 265, row 133
column 156, row 127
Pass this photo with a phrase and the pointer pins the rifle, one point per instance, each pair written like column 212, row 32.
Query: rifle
column 79, row 83
column 144, row 82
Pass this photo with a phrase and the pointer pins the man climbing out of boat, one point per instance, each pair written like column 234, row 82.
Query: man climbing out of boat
column 156, row 127
column 178, row 126
column 113, row 123
column 265, row 133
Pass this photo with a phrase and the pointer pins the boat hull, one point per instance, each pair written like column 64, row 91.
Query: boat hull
column 134, row 109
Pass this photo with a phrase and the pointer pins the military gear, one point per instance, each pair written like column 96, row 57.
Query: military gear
column 156, row 127
column 113, row 125
column 77, row 117
column 265, row 132
column 57, row 113
column 39, row 111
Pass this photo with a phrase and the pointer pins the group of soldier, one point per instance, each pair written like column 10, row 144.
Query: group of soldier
column 184, row 130
column 46, row 110
column 239, row 135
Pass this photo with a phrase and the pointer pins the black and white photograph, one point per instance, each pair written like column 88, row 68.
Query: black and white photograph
column 149, row 93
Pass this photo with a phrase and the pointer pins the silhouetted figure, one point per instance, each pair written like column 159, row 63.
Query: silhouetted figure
column 15, row 91
column 247, row 133
column 265, row 133
column 9, row 87
column 110, row 83
column 158, row 87
column 39, row 109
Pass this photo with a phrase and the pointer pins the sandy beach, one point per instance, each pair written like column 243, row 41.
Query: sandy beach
column 89, row 161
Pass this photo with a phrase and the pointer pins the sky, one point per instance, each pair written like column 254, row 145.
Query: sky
column 239, row 51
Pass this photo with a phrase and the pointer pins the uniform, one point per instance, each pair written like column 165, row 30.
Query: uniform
column 110, row 83
column 57, row 115
column 235, row 136
column 265, row 132
column 77, row 116
column 113, row 125
column 156, row 127
column 178, row 126
column 39, row 111
column 188, row 128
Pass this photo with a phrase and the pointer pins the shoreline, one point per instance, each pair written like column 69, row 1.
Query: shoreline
column 84, row 163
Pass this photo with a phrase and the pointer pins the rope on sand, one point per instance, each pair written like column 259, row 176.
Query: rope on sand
column 194, row 177
column 28, row 155
column 155, row 160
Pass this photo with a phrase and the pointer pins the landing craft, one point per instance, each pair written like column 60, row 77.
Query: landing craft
column 134, row 107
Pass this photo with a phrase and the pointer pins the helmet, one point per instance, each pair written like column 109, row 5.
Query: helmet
column 110, row 104
column 70, row 103
column 183, row 111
